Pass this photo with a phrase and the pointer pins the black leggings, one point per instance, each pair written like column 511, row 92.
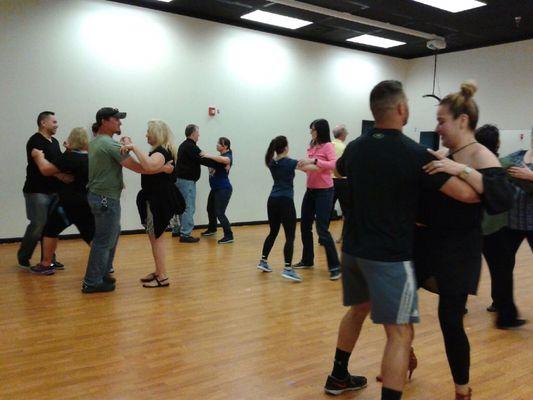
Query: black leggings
column 451, row 314
column 281, row 211
column 67, row 214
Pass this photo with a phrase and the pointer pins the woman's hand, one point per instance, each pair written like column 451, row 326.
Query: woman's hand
column 305, row 161
column 523, row 173
column 443, row 164
column 36, row 153
column 125, row 140
column 168, row 168
column 126, row 148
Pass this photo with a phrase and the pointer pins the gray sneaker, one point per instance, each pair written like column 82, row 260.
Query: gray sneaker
column 289, row 273
column 263, row 266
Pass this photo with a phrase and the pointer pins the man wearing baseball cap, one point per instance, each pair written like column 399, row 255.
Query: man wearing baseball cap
column 104, row 190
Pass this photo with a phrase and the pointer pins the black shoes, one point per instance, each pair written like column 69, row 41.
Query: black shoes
column 491, row 308
column 103, row 287
column 189, row 239
column 516, row 323
column 109, row 279
column 226, row 239
column 209, row 233
column 336, row 386
column 302, row 265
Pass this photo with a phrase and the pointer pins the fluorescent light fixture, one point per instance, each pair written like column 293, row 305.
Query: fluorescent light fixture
column 376, row 41
column 276, row 19
column 453, row 6
column 165, row 1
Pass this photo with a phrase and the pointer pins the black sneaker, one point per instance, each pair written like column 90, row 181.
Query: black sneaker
column 334, row 274
column 41, row 269
column 301, row 265
column 336, row 386
column 175, row 234
column 516, row 323
column 208, row 233
column 103, row 287
column 112, row 270
column 109, row 279
column 226, row 239
column 189, row 239
column 57, row 265
column 491, row 308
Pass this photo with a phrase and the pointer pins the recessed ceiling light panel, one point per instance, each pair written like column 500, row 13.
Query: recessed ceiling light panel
column 275, row 19
column 376, row 41
column 453, row 6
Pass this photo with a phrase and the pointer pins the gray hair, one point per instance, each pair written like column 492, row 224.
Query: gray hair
column 339, row 131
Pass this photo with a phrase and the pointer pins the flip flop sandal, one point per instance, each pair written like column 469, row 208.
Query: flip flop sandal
column 149, row 278
column 156, row 283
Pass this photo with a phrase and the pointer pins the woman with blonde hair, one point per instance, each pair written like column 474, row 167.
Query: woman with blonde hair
column 449, row 241
column 73, row 207
column 159, row 198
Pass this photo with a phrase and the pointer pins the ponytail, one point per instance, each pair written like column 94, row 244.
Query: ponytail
column 277, row 145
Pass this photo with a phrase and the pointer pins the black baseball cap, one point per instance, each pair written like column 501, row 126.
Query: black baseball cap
column 107, row 112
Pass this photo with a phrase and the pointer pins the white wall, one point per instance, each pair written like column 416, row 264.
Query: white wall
column 504, row 75
column 74, row 57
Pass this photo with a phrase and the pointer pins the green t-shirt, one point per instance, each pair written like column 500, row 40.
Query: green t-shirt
column 105, row 170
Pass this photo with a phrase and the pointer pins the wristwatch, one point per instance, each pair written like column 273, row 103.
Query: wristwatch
column 465, row 173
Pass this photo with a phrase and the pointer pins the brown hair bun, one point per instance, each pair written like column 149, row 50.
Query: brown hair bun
column 468, row 89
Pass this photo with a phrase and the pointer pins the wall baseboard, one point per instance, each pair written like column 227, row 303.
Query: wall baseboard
column 138, row 231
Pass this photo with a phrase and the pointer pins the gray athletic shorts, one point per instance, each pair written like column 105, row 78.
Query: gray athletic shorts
column 389, row 286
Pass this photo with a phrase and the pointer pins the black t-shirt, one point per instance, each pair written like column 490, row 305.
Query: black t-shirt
column 385, row 177
column 35, row 181
column 77, row 164
column 189, row 161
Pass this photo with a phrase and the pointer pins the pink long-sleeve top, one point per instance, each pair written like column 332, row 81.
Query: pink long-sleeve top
column 325, row 154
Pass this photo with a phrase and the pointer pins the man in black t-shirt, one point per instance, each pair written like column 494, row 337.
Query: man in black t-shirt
column 385, row 176
column 40, row 192
column 188, row 172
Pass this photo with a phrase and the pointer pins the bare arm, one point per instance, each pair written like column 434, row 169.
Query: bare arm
column 148, row 163
column 45, row 167
column 480, row 159
column 134, row 166
column 218, row 159
column 307, row 167
column 460, row 191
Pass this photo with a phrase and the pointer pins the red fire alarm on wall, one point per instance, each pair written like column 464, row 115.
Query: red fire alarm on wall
column 212, row 111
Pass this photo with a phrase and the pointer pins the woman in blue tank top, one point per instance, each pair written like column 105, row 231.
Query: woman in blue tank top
column 280, row 206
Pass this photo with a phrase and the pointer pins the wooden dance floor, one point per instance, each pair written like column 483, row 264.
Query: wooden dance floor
column 224, row 330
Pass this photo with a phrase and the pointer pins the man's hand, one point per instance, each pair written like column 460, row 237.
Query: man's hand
column 36, row 153
column 65, row 178
column 168, row 168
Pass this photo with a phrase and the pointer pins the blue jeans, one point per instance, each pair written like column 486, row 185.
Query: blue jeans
column 38, row 207
column 317, row 205
column 188, row 191
column 217, row 202
column 106, row 213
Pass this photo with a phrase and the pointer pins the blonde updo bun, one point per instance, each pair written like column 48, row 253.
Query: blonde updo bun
column 468, row 89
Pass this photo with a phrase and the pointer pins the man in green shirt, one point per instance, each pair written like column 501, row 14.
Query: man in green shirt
column 104, row 189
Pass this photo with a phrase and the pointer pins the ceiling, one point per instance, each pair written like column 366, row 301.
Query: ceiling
column 494, row 23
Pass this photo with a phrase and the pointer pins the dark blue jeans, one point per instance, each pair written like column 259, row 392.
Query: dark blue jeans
column 316, row 205
column 38, row 207
column 106, row 213
column 217, row 203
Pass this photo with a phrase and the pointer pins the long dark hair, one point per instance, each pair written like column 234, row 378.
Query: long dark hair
column 489, row 136
column 277, row 145
column 321, row 126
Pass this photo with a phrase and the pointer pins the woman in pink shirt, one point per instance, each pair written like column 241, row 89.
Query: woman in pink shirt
column 318, row 199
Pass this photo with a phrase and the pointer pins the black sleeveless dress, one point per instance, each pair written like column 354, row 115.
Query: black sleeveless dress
column 160, row 191
column 448, row 247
